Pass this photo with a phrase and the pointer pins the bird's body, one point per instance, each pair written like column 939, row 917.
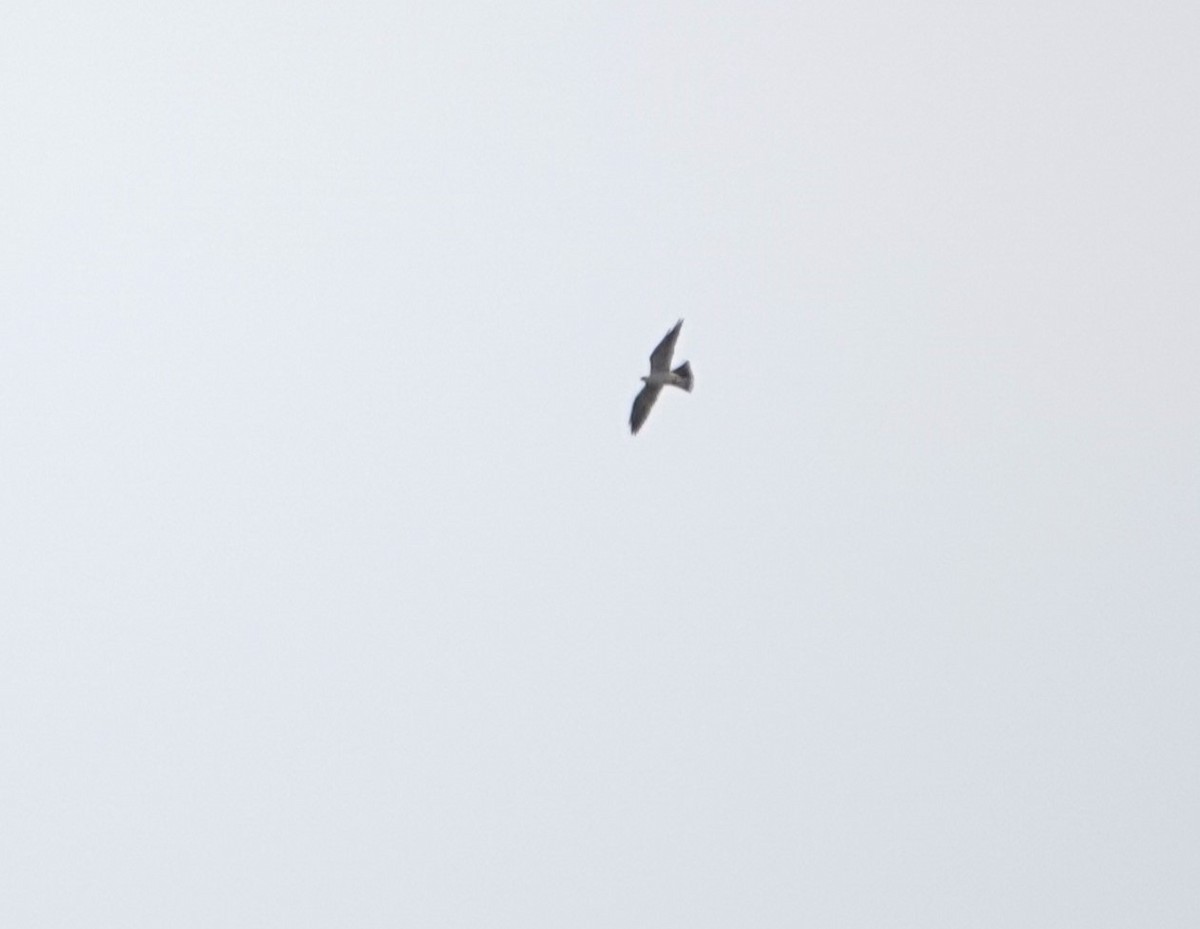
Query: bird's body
column 661, row 375
column 672, row 378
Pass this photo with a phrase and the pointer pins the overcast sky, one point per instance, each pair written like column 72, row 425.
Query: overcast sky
column 335, row 592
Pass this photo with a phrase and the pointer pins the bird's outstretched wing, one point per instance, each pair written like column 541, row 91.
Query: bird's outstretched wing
column 660, row 358
column 642, row 405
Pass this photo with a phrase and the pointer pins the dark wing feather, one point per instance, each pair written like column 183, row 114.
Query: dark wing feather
column 642, row 404
column 660, row 358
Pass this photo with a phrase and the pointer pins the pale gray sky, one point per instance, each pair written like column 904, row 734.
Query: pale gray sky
column 336, row 593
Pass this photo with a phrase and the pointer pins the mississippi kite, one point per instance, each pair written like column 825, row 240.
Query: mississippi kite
column 659, row 376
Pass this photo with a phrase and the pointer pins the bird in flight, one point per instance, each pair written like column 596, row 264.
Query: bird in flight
column 659, row 376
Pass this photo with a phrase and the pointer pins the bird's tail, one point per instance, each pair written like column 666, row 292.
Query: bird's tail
column 684, row 373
